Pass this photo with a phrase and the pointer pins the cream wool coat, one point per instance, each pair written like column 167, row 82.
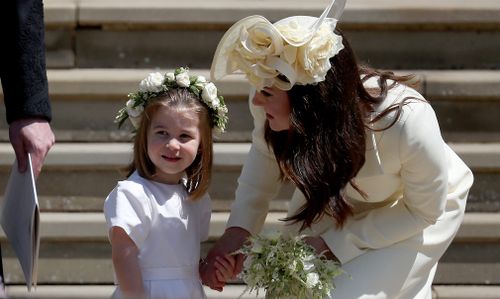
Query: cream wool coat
column 417, row 189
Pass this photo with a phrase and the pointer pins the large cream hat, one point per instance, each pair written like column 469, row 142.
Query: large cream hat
column 297, row 48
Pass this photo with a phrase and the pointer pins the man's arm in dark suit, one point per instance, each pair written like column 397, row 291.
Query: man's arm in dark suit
column 24, row 80
column 22, row 60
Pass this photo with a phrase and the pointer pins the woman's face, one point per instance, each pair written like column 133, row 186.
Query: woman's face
column 276, row 104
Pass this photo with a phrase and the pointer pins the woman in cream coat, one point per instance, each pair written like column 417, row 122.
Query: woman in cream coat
column 377, row 187
column 416, row 189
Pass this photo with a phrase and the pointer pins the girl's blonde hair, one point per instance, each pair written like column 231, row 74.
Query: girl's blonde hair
column 199, row 172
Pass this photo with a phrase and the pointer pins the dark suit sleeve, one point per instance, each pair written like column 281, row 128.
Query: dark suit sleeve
column 22, row 60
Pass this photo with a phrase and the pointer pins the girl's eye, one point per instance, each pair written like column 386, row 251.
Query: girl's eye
column 162, row 133
column 185, row 136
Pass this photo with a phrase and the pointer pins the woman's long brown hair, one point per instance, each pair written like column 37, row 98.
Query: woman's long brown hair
column 324, row 148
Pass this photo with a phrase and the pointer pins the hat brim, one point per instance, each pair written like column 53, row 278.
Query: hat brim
column 219, row 67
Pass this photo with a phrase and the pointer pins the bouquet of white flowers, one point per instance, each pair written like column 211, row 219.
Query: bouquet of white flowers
column 287, row 268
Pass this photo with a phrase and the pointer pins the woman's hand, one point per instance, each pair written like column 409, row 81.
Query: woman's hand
column 232, row 240
column 224, row 267
column 321, row 248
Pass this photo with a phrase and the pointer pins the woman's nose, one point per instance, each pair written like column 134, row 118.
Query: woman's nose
column 258, row 99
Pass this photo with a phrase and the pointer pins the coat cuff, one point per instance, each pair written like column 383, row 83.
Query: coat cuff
column 341, row 245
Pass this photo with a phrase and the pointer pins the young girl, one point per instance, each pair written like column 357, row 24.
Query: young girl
column 160, row 214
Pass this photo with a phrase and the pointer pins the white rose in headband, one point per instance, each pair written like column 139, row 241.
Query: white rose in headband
column 152, row 83
column 170, row 76
column 133, row 109
column 200, row 82
column 209, row 92
column 182, row 79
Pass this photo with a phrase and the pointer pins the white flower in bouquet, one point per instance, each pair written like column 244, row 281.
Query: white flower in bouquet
column 287, row 268
column 312, row 279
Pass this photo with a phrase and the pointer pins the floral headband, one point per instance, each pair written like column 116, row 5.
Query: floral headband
column 298, row 48
column 156, row 83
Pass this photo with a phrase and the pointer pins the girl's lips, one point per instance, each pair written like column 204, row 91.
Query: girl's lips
column 171, row 159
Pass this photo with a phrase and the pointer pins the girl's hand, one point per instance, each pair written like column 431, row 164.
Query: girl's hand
column 225, row 268
column 321, row 248
column 232, row 240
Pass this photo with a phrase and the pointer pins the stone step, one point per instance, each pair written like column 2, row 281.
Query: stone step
column 74, row 204
column 85, row 102
column 82, row 174
column 230, row 292
column 428, row 14
column 74, row 250
column 91, row 227
column 357, row 12
column 386, row 34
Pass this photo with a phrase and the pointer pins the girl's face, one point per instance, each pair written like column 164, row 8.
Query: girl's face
column 173, row 142
column 276, row 104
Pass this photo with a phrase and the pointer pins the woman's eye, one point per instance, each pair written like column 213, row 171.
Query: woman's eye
column 265, row 93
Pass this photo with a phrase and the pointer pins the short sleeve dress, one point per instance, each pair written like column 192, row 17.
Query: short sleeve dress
column 167, row 228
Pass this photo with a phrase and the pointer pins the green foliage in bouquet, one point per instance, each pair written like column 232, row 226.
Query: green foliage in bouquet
column 287, row 268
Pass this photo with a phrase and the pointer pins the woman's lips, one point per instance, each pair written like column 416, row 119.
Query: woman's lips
column 269, row 116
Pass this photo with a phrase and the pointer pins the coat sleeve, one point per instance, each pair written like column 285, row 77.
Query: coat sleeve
column 22, row 60
column 424, row 177
column 259, row 181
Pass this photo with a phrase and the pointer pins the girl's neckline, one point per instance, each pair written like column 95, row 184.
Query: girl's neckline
column 181, row 183
column 167, row 184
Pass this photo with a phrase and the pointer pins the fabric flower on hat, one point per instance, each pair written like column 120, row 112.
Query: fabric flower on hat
column 256, row 43
column 265, row 51
column 313, row 58
column 294, row 50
